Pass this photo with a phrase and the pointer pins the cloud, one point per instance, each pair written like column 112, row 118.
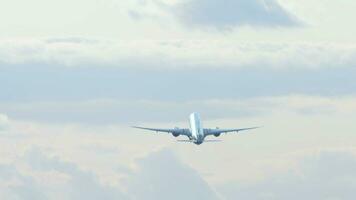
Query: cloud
column 162, row 175
column 45, row 181
column 115, row 111
column 77, row 52
column 327, row 175
column 73, row 40
column 4, row 122
column 15, row 186
column 229, row 14
column 51, row 178
column 218, row 15
column 80, row 185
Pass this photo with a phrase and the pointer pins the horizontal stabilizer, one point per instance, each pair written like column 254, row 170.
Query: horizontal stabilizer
column 212, row 140
column 204, row 140
column 185, row 141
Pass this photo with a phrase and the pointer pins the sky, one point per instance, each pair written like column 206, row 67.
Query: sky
column 76, row 75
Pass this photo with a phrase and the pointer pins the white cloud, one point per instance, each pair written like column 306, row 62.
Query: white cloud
column 161, row 175
column 81, row 184
column 111, row 19
column 114, row 111
column 15, row 186
column 175, row 54
column 52, row 18
column 4, row 122
column 30, row 183
column 327, row 175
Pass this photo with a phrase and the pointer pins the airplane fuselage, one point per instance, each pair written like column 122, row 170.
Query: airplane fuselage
column 196, row 128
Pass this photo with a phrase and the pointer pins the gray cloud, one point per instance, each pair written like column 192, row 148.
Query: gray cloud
column 107, row 95
column 15, row 186
column 126, row 112
column 162, row 176
column 43, row 83
column 228, row 14
column 111, row 111
column 81, row 184
column 329, row 175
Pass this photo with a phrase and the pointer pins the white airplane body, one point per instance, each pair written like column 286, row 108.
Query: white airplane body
column 196, row 133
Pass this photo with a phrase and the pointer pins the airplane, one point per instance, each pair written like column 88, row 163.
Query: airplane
column 196, row 134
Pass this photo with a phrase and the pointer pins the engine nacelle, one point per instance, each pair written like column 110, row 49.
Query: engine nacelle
column 176, row 132
column 217, row 134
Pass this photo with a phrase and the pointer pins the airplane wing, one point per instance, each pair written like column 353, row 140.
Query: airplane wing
column 175, row 131
column 217, row 131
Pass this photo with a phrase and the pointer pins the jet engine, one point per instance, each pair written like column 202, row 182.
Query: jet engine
column 217, row 134
column 176, row 134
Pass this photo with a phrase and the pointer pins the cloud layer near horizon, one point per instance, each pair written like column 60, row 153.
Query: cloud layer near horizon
column 328, row 174
column 53, row 179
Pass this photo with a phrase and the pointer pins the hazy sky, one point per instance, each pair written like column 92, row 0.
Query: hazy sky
column 75, row 75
